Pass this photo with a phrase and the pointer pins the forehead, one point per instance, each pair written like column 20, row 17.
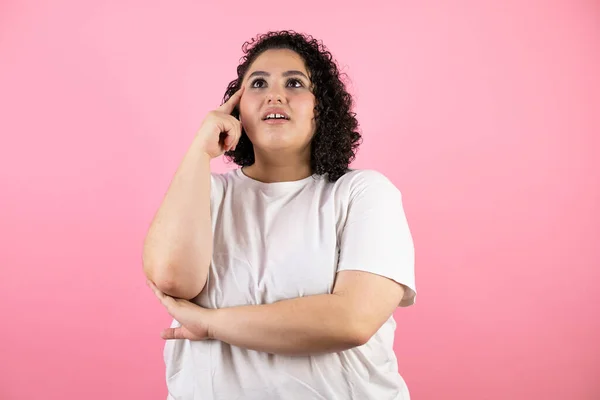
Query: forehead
column 277, row 61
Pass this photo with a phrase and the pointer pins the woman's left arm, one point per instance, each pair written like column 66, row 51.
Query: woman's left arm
column 357, row 307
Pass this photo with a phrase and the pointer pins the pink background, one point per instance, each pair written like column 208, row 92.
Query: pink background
column 485, row 116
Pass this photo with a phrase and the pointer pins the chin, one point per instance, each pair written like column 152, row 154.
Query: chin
column 275, row 145
column 273, row 139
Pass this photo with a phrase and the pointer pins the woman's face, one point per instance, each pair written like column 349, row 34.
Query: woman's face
column 277, row 106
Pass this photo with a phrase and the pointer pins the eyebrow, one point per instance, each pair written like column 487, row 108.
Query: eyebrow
column 285, row 74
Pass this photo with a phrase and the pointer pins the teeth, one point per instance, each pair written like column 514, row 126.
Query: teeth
column 275, row 116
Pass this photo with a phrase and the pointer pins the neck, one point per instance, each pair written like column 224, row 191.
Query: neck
column 271, row 170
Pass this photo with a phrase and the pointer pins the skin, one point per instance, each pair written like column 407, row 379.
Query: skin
column 360, row 301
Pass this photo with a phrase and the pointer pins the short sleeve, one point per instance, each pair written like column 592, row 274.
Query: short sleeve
column 376, row 237
column 217, row 189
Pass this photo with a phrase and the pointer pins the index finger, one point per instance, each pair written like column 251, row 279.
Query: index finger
column 233, row 101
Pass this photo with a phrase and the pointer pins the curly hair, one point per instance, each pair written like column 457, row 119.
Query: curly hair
column 336, row 138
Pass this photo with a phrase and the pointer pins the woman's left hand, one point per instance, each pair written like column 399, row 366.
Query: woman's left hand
column 191, row 316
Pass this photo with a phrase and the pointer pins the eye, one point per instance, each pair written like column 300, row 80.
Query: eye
column 258, row 83
column 297, row 83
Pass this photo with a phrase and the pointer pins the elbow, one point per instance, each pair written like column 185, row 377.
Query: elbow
column 360, row 336
column 178, row 288
column 354, row 327
column 361, row 327
column 357, row 333
column 173, row 281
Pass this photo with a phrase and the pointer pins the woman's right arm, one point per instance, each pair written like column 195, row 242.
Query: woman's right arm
column 178, row 246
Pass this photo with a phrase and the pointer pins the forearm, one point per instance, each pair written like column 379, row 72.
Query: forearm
column 178, row 246
column 301, row 326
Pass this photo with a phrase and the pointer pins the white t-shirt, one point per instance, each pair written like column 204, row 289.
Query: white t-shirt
column 276, row 241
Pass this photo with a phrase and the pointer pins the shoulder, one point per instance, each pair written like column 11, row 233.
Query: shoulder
column 219, row 182
column 365, row 176
column 223, row 178
column 361, row 181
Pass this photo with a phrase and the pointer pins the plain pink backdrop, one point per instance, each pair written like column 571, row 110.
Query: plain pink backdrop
column 484, row 114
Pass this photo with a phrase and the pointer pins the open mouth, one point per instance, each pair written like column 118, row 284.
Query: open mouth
column 276, row 117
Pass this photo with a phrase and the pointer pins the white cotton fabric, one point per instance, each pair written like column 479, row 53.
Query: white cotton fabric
column 276, row 241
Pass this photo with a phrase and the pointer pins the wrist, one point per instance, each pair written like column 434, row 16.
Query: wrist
column 200, row 147
column 211, row 317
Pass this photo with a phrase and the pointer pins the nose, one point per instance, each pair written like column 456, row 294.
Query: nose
column 275, row 96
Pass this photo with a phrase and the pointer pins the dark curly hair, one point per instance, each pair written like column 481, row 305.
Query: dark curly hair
column 336, row 138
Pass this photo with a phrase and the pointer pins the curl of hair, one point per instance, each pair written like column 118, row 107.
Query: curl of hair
column 336, row 138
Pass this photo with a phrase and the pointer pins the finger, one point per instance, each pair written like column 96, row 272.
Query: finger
column 233, row 101
column 235, row 134
column 167, row 301
column 156, row 290
column 175, row 333
column 232, row 128
column 153, row 287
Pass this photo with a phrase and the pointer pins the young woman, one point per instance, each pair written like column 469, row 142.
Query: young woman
column 282, row 275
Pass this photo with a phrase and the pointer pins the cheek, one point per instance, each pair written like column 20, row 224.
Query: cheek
column 248, row 100
column 245, row 108
column 307, row 107
column 243, row 105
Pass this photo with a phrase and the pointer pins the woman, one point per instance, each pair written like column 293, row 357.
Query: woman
column 281, row 276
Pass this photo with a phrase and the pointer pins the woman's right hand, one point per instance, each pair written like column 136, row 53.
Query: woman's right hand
column 220, row 131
